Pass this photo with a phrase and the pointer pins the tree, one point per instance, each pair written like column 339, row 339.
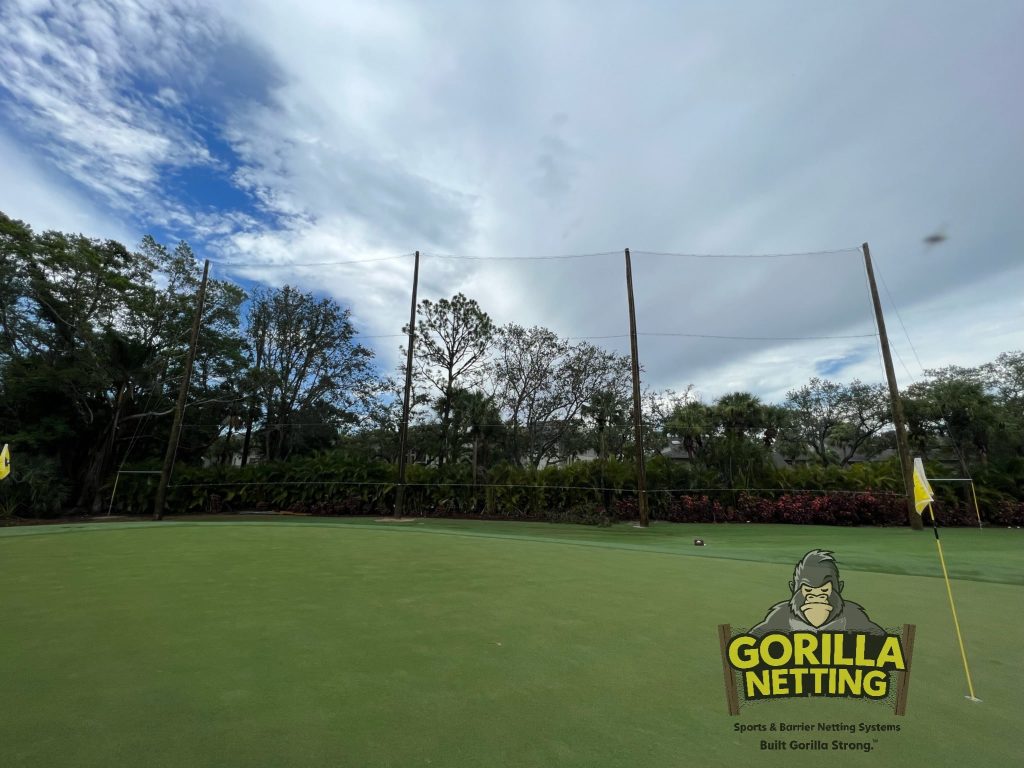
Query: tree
column 865, row 412
column 474, row 417
column 525, row 366
column 551, row 412
column 215, row 389
column 68, row 314
column 693, row 424
column 543, row 384
column 17, row 245
column 452, row 340
column 255, row 346
column 775, row 420
column 376, row 434
column 836, row 421
column 607, row 409
column 1005, row 378
column 817, row 409
column 658, row 409
column 740, row 419
column 952, row 403
column 92, row 342
column 739, row 414
column 309, row 365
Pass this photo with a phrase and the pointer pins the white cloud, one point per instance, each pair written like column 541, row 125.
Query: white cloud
column 33, row 193
column 553, row 128
column 72, row 73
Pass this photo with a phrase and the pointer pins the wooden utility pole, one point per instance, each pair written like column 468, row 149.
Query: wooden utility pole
column 403, row 433
column 179, row 409
column 641, row 472
column 894, row 397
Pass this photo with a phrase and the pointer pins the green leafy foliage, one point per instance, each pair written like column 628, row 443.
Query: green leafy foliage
column 34, row 488
column 335, row 483
column 93, row 339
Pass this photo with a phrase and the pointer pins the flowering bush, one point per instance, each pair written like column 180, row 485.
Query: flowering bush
column 581, row 493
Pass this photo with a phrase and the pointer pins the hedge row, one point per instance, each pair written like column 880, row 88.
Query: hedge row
column 796, row 508
column 581, row 493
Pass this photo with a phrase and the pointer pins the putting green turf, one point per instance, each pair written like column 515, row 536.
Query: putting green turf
column 440, row 643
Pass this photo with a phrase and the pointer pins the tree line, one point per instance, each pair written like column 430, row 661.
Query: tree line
column 93, row 338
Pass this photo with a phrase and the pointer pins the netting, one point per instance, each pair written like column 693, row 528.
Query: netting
column 568, row 458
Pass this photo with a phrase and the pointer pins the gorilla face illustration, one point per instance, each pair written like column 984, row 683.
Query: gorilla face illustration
column 816, row 602
column 816, row 590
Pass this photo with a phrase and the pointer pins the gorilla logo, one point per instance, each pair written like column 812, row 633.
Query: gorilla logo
column 816, row 603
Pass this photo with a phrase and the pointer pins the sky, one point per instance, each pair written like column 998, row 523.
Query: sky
column 273, row 135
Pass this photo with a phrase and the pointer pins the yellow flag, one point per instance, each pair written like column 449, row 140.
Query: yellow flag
column 5, row 462
column 922, row 488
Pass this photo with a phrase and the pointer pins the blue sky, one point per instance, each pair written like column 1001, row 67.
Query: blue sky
column 266, row 134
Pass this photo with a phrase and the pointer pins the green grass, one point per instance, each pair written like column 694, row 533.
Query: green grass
column 439, row 643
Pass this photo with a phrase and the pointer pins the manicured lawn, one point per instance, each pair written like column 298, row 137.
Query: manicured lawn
column 441, row 643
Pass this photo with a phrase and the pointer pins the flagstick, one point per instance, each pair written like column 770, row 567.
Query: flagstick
column 110, row 509
column 975, row 498
column 952, row 607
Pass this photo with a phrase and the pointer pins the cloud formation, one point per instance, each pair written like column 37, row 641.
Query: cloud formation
column 275, row 134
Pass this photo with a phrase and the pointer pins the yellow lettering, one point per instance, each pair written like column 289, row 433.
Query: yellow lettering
column 832, row 681
column 785, row 650
column 838, row 659
column 862, row 659
column 876, row 684
column 762, row 682
column 743, row 652
column 819, row 672
column 780, row 685
column 798, row 680
column 805, row 645
column 891, row 653
column 805, row 663
column 849, row 681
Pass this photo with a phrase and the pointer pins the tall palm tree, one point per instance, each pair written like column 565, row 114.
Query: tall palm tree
column 692, row 423
column 740, row 415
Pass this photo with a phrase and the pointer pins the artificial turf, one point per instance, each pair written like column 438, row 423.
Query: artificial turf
column 441, row 643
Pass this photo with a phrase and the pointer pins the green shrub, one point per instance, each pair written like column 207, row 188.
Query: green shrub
column 336, row 483
column 34, row 488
